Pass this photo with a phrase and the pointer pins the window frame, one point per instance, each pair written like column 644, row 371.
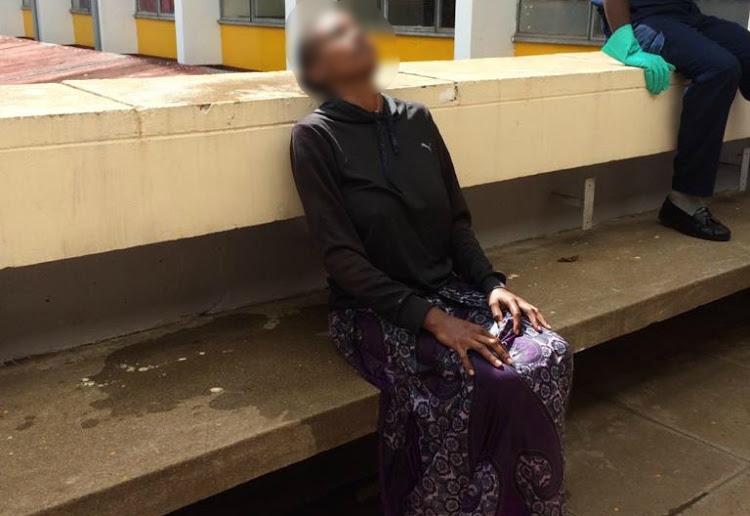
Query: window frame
column 254, row 20
column 79, row 10
column 435, row 29
column 590, row 39
column 158, row 15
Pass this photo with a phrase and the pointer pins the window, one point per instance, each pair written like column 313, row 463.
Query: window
column 25, row 4
column 254, row 11
column 420, row 15
column 572, row 21
column 727, row 9
column 80, row 6
column 578, row 22
column 156, row 8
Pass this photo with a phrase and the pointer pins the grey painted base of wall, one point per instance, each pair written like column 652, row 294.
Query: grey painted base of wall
column 73, row 302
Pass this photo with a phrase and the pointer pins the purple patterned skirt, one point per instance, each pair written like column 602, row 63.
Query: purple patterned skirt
column 455, row 445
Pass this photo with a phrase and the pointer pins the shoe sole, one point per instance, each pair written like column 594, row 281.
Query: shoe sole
column 700, row 236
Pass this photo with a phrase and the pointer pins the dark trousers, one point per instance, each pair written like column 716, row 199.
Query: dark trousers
column 715, row 55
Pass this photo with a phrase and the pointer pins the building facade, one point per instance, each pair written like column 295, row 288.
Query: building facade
column 249, row 34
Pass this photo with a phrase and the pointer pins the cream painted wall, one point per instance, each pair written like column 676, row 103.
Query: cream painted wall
column 96, row 166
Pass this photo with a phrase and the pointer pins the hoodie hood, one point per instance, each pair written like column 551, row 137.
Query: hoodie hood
column 384, row 122
column 344, row 111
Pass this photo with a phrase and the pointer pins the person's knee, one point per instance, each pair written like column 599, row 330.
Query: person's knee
column 745, row 80
column 563, row 350
column 726, row 70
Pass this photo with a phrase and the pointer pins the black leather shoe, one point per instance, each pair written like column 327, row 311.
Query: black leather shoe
column 701, row 224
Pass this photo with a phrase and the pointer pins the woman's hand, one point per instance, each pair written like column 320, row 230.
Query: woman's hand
column 461, row 336
column 502, row 299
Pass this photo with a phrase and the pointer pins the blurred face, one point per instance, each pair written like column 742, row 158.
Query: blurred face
column 345, row 55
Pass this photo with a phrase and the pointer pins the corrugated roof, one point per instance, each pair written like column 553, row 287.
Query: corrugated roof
column 24, row 61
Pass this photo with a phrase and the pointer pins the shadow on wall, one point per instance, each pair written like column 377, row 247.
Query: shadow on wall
column 61, row 304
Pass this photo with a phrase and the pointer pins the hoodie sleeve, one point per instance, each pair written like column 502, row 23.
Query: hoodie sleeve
column 469, row 260
column 344, row 256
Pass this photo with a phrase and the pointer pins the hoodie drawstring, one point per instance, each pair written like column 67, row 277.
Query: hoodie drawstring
column 386, row 136
column 385, row 125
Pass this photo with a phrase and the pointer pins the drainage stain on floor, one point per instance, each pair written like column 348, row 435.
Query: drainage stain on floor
column 228, row 361
column 28, row 422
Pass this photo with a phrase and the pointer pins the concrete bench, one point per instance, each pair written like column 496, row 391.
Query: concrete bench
column 100, row 165
column 191, row 410
column 145, row 424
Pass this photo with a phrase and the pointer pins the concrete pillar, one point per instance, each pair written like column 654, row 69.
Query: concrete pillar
column 198, row 32
column 485, row 28
column 290, row 5
column 11, row 18
column 114, row 25
column 54, row 22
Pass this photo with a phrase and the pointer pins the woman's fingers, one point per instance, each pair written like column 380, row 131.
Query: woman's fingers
column 497, row 312
column 464, row 356
column 543, row 320
column 500, row 351
column 484, row 350
column 535, row 316
column 532, row 313
column 515, row 311
column 494, row 344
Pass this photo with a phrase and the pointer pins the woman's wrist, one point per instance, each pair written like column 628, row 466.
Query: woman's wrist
column 432, row 320
column 499, row 286
column 492, row 281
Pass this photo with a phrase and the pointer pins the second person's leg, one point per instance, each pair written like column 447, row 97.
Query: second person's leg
column 715, row 74
column 733, row 37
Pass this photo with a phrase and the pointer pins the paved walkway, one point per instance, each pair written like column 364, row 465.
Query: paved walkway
column 660, row 420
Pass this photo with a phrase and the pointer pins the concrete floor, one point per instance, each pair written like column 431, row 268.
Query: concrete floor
column 660, row 419
column 659, row 425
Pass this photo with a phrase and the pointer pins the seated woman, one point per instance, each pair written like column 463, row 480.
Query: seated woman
column 471, row 421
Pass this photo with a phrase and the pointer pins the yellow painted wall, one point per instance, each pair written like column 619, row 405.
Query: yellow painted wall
column 28, row 23
column 254, row 48
column 83, row 29
column 156, row 37
column 263, row 48
column 424, row 48
column 535, row 49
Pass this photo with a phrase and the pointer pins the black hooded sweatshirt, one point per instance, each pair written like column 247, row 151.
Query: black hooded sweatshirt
column 385, row 208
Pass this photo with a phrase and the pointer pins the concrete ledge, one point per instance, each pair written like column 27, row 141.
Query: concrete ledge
column 110, row 428
column 95, row 166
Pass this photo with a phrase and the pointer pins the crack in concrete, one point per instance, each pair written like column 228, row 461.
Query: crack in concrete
column 683, row 507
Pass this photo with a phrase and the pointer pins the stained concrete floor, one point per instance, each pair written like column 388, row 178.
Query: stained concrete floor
column 659, row 425
column 660, row 419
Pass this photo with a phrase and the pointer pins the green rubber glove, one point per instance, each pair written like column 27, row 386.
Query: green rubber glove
column 624, row 47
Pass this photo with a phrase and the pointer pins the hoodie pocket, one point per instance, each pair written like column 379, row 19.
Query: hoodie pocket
column 650, row 39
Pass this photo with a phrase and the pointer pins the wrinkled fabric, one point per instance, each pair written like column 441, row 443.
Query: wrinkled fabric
column 451, row 444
